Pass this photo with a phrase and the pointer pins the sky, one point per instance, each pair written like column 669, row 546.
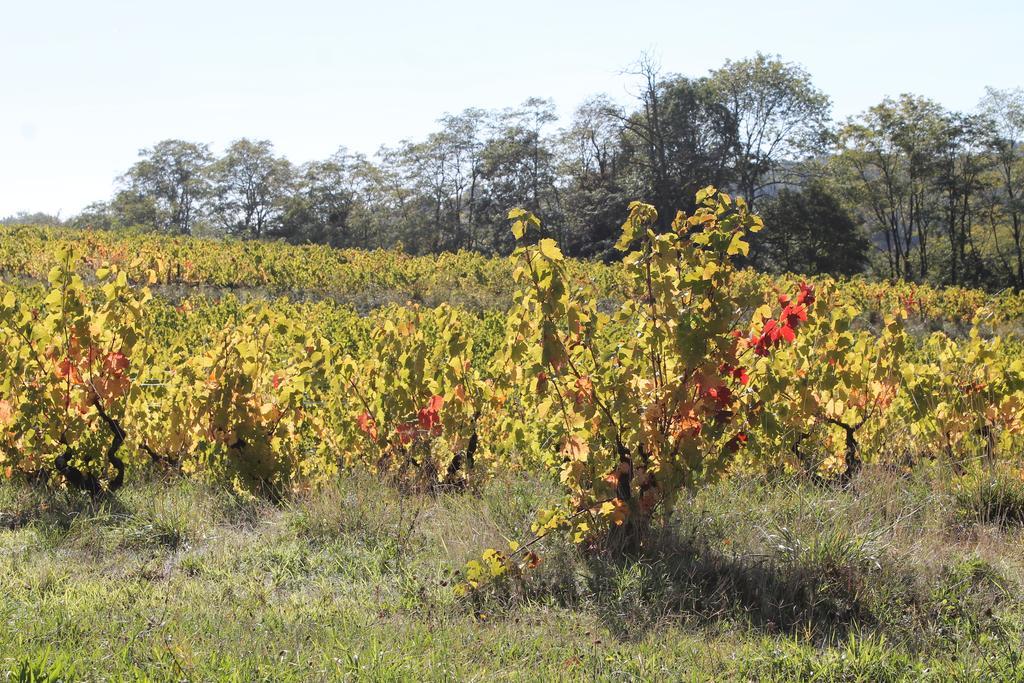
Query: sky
column 85, row 85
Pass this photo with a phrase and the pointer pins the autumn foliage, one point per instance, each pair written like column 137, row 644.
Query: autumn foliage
column 629, row 385
column 653, row 399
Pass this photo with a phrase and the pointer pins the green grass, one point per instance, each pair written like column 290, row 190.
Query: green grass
column 752, row 580
column 991, row 497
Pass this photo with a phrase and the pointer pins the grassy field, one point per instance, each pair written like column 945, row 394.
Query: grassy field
column 893, row 579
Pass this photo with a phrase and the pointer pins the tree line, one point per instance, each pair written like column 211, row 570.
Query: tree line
column 906, row 189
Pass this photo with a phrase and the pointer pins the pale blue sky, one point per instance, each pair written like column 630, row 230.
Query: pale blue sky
column 84, row 85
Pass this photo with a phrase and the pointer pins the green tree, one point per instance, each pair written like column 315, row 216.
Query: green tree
column 1003, row 111
column 958, row 169
column 172, row 174
column 518, row 168
column 811, row 233
column 317, row 211
column 886, row 167
column 462, row 140
column 589, row 169
column 26, row 218
column 679, row 140
column 250, row 186
column 780, row 116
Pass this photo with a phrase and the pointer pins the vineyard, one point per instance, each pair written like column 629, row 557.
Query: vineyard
column 595, row 410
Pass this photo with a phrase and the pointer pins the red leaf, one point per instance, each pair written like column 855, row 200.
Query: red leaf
column 806, row 295
column 367, row 424
column 429, row 418
column 406, row 432
column 116, row 363
column 736, row 442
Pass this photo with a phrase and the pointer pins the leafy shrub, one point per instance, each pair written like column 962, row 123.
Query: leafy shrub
column 66, row 375
column 653, row 400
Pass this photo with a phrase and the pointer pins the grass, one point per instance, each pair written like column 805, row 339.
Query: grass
column 752, row 580
column 991, row 498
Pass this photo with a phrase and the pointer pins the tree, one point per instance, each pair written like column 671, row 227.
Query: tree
column 97, row 215
column 779, row 115
column 461, row 138
column 389, row 208
column 958, row 166
column 811, row 233
column 680, row 140
column 172, row 174
column 938, row 195
column 318, row 209
column 438, row 180
column 518, row 167
column 533, row 117
column 1004, row 114
column 368, row 208
column 249, row 188
column 589, row 165
column 886, row 167
column 128, row 209
column 26, row 218
column 591, row 145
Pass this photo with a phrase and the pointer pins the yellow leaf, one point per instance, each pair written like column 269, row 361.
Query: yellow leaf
column 575, row 449
column 549, row 248
column 616, row 510
column 738, row 246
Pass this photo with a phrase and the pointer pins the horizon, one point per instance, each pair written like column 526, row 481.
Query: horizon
column 89, row 87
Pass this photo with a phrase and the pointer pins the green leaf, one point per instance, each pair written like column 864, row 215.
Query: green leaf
column 54, row 299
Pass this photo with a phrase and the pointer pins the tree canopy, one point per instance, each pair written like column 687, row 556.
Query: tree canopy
column 906, row 189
